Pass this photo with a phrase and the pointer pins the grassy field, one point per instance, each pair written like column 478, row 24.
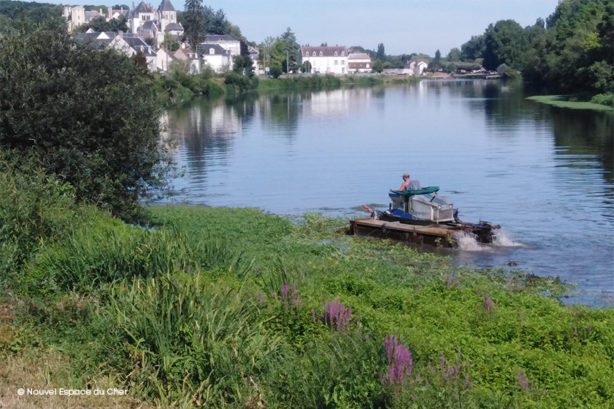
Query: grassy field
column 562, row 101
column 234, row 308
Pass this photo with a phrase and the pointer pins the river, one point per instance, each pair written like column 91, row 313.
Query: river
column 545, row 174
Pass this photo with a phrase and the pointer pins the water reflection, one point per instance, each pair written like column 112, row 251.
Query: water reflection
column 544, row 173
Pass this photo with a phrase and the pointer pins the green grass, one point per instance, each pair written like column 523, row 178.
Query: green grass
column 562, row 101
column 227, row 308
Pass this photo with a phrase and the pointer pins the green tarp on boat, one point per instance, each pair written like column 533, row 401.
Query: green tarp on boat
column 423, row 191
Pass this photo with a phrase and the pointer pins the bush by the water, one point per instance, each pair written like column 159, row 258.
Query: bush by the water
column 603, row 99
column 88, row 117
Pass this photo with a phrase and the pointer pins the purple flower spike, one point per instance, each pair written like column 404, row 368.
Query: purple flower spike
column 400, row 360
column 488, row 304
column 524, row 381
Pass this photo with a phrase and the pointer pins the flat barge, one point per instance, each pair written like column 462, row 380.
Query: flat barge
column 440, row 235
column 420, row 216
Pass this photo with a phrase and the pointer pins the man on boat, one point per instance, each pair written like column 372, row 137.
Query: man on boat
column 406, row 181
column 408, row 184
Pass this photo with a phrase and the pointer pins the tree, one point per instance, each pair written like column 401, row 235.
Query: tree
column 278, row 54
column 101, row 24
column 381, row 52
column 436, row 63
column 292, row 50
column 87, row 116
column 505, row 43
column 378, row 66
column 454, row 55
column 473, row 49
column 243, row 65
column 275, row 71
column 194, row 22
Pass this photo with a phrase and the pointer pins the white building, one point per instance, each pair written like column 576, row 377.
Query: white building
column 74, row 16
column 325, row 60
column 415, row 68
column 359, row 62
column 226, row 41
column 127, row 45
column 216, row 57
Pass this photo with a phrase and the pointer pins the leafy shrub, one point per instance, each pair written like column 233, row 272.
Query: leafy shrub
column 603, row 99
column 88, row 116
column 34, row 210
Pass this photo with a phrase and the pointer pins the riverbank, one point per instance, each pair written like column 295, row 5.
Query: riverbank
column 214, row 307
column 179, row 88
column 561, row 101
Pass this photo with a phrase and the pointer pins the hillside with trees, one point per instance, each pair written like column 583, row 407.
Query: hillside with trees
column 571, row 52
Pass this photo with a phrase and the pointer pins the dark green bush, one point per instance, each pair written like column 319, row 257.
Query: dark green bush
column 89, row 117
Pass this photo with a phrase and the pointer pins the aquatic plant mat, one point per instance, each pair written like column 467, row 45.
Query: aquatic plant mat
column 222, row 308
column 562, row 101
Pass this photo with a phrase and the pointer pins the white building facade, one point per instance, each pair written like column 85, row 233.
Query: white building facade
column 325, row 60
column 216, row 57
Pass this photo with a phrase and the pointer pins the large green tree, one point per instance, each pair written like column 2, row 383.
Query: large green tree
column 292, row 50
column 505, row 43
column 194, row 22
column 87, row 116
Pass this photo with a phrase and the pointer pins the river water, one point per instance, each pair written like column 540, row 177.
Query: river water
column 545, row 174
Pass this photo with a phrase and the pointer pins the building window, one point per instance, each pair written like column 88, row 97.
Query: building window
column 336, row 62
column 367, row 65
column 335, row 53
column 321, row 53
column 314, row 54
column 211, row 51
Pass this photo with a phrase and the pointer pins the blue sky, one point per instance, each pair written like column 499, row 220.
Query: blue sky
column 403, row 26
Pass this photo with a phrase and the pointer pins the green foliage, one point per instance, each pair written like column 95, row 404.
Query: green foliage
column 378, row 66
column 473, row 49
column 275, row 71
column 222, row 308
column 454, row 55
column 603, row 99
column 381, row 52
column 237, row 83
column 193, row 20
column 315, row 82
column 16, row 16
column 193, row 341
column 180, row 86
column 88, row 117
column 572, row 53
column 34, row 209
column 100, row 24
column 504, row 43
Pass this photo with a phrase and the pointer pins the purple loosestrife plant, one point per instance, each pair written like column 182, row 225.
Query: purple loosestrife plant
column 524, row 381
column 336, row 315
column 290, row 297
column 489, row 305
column 400, row 360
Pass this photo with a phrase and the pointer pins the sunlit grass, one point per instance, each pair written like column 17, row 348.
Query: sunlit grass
column 562, row 101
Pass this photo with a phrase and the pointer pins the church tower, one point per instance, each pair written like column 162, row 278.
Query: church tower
column 166, row 14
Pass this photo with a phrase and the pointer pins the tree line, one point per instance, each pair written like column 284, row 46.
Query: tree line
column 571, row 51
